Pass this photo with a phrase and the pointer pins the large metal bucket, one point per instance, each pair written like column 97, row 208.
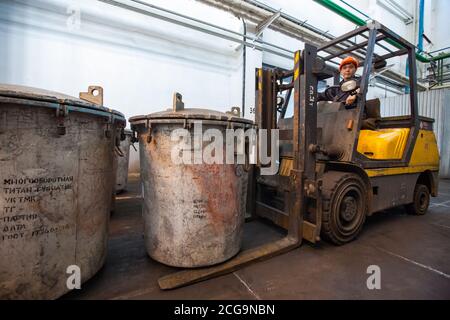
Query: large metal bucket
column 193, row 213
column 56, row 172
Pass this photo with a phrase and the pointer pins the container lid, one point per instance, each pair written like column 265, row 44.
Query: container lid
column 44, row 98
column 178, row 112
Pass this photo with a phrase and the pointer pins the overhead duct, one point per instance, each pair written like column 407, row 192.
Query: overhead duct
column 256, row 14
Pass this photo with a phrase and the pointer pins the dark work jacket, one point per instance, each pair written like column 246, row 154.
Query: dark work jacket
column 335, row 94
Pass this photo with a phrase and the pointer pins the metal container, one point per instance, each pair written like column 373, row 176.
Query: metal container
column 193, row 213
column 123, row 160
column 56, row 172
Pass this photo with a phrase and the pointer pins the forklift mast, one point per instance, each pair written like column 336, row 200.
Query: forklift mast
column 300, row 186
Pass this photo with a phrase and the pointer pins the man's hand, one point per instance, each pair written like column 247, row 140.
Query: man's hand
column 350, row 100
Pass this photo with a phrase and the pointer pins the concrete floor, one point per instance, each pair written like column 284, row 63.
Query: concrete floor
column 413, row 253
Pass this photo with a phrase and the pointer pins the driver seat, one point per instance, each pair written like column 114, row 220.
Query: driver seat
column 372, row 115
column 380, row 144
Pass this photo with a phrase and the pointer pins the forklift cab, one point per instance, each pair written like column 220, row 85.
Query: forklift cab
column 375, row 141
column 388, row 141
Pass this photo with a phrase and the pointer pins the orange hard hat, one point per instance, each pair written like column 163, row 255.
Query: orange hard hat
column 347, row 61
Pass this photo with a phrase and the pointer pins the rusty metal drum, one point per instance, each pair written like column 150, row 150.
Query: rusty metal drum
column 56, row 181
column 123, row 160
column 193, row 213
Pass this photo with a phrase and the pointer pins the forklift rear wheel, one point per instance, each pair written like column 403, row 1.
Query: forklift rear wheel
column 345, row 207
column 421, row 201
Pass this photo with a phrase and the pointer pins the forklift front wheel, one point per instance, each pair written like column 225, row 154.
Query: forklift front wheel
column 421, row 200
column 345, row 206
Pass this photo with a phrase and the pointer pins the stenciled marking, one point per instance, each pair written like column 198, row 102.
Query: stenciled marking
column 18, row 196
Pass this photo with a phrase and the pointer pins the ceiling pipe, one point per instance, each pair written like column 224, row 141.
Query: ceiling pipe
column 255, row 12
column 442, row 49
column 356, row 9
column 421, row 23
column 342, row 12
column 402, row 10
column 231, row 36
column 388, row 6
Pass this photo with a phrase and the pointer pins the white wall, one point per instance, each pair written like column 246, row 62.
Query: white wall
column 436, row 24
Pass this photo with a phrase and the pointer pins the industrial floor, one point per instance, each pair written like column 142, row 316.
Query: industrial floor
column 413, row 253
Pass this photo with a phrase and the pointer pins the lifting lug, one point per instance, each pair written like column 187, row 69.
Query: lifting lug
column 148, row 126
column 108, row 130
column 61, row 112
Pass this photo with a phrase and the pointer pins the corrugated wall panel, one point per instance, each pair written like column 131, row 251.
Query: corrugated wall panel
column 445, row 141
column 433, row 104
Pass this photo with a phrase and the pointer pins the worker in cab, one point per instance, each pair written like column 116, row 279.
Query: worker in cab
column 347, row 68
column 347, row 91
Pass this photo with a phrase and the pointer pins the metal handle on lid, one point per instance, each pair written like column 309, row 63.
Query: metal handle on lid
column 94, row 95
column 178, row 103
column 235, row 111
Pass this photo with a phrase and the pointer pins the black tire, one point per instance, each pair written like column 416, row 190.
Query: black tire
column 344, row 206
column 421, row 200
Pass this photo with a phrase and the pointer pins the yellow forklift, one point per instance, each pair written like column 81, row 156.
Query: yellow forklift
column 334, row 169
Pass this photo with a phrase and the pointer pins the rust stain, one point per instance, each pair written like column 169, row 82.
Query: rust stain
column 218, row 183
